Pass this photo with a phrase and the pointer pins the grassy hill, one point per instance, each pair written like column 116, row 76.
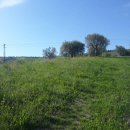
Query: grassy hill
column 77, row 93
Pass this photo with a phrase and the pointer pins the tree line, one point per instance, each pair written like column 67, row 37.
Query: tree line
column 96, row 45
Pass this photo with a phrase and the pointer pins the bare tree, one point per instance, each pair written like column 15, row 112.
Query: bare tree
column 49, row 52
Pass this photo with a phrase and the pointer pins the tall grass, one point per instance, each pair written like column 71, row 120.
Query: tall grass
column 77, row 93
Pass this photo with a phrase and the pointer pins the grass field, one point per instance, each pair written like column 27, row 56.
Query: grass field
column 77, row 93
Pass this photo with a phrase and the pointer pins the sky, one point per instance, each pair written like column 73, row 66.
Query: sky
column 29, row 26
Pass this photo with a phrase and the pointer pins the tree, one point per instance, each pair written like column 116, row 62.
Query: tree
column 72, row 48
column 122, row 51
column 96, row 44
column 49, row 52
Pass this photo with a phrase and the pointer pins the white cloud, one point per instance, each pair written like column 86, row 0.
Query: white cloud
column 9, row 3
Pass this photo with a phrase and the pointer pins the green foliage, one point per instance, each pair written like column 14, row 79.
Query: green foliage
column 72, row 48
column 96, row 44
column 122, row 51
column 77, row 93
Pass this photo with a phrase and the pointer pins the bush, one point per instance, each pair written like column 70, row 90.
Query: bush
column 122, row 51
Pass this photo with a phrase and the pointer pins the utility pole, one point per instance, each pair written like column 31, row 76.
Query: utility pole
column 4, row 53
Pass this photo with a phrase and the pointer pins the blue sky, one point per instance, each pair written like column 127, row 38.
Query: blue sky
column 28, row 26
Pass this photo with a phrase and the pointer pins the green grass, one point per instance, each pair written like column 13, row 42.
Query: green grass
column 77, row 93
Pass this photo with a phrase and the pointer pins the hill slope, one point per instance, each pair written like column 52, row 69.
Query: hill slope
column 77, row 93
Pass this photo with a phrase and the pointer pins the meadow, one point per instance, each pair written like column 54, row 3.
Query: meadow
column 65, row 93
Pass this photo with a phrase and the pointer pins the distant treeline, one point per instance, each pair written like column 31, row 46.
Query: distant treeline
column 95, row 44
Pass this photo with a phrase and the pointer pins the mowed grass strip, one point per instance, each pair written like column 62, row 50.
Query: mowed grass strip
column 65, row 93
